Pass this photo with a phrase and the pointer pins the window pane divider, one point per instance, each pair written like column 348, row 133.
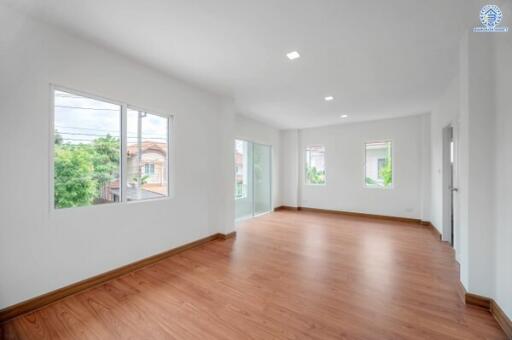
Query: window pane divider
column 124, row 153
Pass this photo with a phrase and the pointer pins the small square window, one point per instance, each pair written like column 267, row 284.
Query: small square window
column 379, row 165
column 315, row 165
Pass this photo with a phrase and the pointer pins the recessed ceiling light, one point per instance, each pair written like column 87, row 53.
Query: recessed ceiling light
column 344, row 116
column 329, row 98
column 293, row 55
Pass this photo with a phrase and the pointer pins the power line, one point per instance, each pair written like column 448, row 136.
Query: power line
column 105, row 135
column 94, row 139
column 73, row 133
column 95, row 129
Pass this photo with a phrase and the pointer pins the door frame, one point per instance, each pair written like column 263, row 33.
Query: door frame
column 450, row 183
column 271, row 207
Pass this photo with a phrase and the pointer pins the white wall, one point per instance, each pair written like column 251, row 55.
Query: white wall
column 223, row 184
column 467, row 105
column 503, row 71
column 254, row 131
column 42, row 250
column 479, row 102
column 445, row 113
column 345, row 189
column 425, row 168
column 290, row 168
column 481, row 200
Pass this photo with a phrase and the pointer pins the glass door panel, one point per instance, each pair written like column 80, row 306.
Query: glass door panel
column 253, row 193
column 243, row 179
column 262, row 174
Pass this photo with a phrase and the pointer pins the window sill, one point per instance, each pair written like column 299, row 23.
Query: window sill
column 378, row 187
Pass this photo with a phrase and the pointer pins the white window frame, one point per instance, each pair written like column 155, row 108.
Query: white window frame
column 390, row 187
column 124, row 141
column 304, row 171
column 170, row 152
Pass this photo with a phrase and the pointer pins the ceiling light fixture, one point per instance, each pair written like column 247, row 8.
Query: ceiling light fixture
column 329, row 98
column 344, row 116
column 293, row 55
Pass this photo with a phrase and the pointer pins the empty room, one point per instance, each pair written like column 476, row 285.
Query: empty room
column 273, row 169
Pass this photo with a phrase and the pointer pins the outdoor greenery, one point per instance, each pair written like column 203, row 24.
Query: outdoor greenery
column 82, row 170
column 370, row 181
column 315, row 176
column 387, row 172
column 143, row 180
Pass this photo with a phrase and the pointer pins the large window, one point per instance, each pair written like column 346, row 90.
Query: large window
column 88, row 165
column 87, row 150
column 315, row 165
column 379, row 165
column 241, row 169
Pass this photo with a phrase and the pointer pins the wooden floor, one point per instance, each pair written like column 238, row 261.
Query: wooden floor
column 287, row 275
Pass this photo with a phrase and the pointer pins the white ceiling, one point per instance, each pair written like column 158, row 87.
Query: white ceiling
column 379, row 59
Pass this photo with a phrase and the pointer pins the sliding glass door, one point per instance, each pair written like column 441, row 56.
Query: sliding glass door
column 253, row 193
column 243, row 179
column 262, row 173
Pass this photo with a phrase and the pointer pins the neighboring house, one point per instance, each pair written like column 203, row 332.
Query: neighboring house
column 153, row 165
column 153, row 171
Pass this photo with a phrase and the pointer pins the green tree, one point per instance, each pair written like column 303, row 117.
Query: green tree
column 106, row 157
column 74, row 182
column 143, row 179
column 315, row 176
column 83, row 170
column 387, row 170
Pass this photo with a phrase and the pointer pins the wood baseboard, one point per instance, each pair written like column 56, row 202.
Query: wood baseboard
column 48, row 298
column 502, row 318
column 433, row 229
column 478, row 300
column 493, row 307
column 357, row 214
column 227, row 236
column 283, row 207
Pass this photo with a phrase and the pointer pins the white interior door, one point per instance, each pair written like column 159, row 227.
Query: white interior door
column 450, row 184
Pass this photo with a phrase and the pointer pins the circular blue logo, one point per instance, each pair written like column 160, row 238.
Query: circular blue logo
column 490, row 16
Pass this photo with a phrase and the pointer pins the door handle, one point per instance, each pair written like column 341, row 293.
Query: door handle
column 453, row 189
